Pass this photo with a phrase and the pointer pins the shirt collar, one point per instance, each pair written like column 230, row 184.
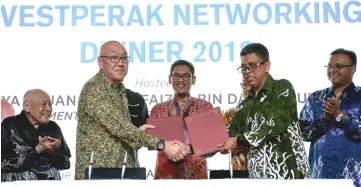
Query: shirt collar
column 190, row 97
column 25, row 122
column 348, row 90
column 109, row 83
column 267, row 86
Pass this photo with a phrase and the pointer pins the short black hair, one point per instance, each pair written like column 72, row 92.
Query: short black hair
column 350, row 54
column 257, row 48
column 182, row 62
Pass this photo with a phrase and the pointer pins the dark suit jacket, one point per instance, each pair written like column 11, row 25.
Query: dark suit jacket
column 137, row 108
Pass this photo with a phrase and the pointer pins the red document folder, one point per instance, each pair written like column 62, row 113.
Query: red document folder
column 206, row 131
column 168, row 129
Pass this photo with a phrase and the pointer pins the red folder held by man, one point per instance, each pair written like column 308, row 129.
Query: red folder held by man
column 206, row 131
column 168, row 129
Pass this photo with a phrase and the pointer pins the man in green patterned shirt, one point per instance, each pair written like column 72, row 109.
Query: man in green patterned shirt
column 266, row 122
column 104, row 123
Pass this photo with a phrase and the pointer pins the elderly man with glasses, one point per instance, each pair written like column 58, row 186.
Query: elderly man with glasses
column 104, row 122
column 331, row 121
column 266, row 122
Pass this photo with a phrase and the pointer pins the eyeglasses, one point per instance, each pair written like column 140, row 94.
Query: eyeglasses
column 337, row 66
column 116, row 59
column 250, row 67
column 185, row 76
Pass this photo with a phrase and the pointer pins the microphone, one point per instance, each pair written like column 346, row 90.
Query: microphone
column 136, row 158
column 90, row 165
column 124, row 164
column 230, row 164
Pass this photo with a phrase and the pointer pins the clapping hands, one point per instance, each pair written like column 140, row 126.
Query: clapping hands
column 47, row 144
column 331, row 107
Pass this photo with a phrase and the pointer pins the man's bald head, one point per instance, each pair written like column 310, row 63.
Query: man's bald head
column 37, row 106
column 113, row 60
column 34, row 94
column 111, row 47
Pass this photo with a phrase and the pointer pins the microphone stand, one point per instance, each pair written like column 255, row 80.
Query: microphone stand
column 124, row 164
column 136, row 158
column 230, row 164
column 90, row 165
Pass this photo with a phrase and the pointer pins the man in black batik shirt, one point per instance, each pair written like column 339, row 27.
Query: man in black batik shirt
column 32, row 146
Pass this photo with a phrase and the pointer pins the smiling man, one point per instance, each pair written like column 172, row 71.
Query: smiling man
column 33, row 146
column 104, row 122
column 182, row 78
column 266, row 122
column 331, row 121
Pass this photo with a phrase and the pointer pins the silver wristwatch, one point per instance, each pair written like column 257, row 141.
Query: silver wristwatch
column 339, row 117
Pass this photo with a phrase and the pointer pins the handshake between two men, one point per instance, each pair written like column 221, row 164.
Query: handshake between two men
column 175, row 150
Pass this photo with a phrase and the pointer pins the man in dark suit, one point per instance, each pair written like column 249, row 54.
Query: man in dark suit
column 137, row 108
column 138, row 111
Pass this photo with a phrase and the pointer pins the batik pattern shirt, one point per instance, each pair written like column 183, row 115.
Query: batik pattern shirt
column 267, row 126
column 335, row 151
column 19, row 158
column 192, row 167
column 104, row 127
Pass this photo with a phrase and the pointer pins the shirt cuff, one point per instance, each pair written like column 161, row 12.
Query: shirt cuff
column 33, row 156
column 346, row 121
column 153, row 143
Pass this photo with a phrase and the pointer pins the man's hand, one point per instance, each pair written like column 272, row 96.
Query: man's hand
column 331, row 107
column 47, row 144
column 174, row 151
column 245, row 88
column 185, row 147
column 53, row 142
column 228, row 115
column 229, row 144
column 145, row 127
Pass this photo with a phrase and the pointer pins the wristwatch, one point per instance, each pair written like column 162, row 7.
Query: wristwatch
column 339, row 117
column 160, row 145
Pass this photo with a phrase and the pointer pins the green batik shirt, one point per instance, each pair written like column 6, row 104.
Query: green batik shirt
column 104, row 127
column 267, row 126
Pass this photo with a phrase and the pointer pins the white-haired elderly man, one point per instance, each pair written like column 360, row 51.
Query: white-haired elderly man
column 33, row 146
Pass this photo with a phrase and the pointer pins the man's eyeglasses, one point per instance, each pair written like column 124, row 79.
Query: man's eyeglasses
column 337, row 66
column 185, row 76
column 250, row 67
column 116, row 59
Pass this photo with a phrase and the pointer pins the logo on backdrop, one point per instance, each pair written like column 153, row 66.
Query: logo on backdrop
column 197, row 15
column 169, row 51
